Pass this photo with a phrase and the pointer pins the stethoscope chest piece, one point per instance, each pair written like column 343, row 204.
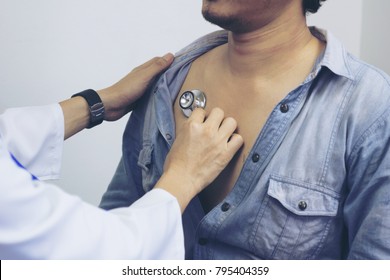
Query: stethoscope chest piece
column 190, row 100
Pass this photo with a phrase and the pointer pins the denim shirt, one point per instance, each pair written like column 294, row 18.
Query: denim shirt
column 316, row 184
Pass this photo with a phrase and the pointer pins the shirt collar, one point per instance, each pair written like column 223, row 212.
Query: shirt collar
column 335, row 54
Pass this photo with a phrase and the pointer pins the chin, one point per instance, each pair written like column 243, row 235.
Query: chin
column 230, row 23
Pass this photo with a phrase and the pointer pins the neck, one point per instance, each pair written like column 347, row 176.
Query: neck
column 271, row 49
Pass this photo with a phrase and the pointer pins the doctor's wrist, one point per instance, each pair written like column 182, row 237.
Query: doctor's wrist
column 175, row 184
column 76, row 115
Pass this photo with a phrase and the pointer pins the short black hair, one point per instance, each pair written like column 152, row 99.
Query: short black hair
column 311, row 6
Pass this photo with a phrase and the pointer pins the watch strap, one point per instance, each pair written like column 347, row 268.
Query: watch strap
column 95, row 104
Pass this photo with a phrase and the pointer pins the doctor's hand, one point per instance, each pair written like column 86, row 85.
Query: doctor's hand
column 202, row 149
column 117, row 99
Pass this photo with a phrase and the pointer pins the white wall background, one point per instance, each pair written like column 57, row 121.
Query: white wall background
column 50, row 49
column 375, row 47
column 343, row 18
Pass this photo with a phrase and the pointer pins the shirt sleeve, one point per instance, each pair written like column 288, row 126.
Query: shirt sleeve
column 34, row 136
column 368, row 180
column 40, row 221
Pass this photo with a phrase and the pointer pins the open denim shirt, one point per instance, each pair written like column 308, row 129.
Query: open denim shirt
column 316, row 184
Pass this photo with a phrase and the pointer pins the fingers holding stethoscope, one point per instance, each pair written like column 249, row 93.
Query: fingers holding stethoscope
column 204, row 146
column 222, row 127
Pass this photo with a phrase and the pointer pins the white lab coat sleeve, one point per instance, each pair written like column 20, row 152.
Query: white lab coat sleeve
column 40, row 221
column 35, row 137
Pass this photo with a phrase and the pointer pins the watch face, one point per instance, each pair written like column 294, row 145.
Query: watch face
column 97, row 110
column 96, row 114
column 96, row 107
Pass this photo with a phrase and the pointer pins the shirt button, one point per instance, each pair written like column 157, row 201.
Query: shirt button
column 225, row 207
column 302, row 205
column 169, row 136
column 255, row 157
column 284, row 108
column 202, row 241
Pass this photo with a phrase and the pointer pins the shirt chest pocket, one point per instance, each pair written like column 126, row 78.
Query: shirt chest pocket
column 294, row 220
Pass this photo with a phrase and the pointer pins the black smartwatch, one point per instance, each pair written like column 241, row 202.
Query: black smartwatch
column 96, row 107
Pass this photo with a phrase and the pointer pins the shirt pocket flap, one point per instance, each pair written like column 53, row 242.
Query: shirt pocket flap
column 302, row 199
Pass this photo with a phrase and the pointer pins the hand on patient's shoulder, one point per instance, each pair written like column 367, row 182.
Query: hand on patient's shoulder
column 119, row 98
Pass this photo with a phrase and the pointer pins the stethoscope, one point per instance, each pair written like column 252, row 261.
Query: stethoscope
column 190, row 100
